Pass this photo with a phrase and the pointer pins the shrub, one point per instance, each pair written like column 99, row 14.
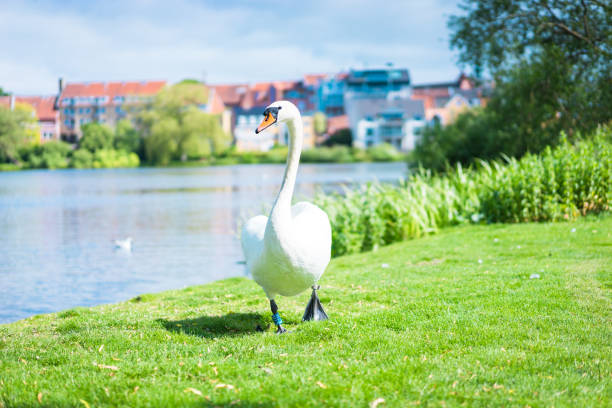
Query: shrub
column 108, row 158
column 384, row 152
column 334, row 154
column 50, row 155
column 82, row 159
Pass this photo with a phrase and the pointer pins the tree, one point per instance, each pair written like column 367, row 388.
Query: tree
column 18, row 128
column 127, row 137
column 175, row 128
column 96, row 137
column 340, row 137
column 3, row 92
column 160, row 145
column 551, row 61
column 468, row 137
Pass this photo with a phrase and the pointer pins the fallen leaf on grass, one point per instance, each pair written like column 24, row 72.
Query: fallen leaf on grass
column 85, row 403
column 267, row 370
column 39, row 396
column 376, row 402
column 100, row 348
column 320, row 384
column 110, row 367
column 193, row 390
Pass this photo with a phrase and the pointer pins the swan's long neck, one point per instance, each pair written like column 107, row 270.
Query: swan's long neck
column 281, row 212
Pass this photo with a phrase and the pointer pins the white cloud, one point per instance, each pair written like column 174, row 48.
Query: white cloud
column 231, row 41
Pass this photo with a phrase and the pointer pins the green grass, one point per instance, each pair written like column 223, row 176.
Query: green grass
column 435, row 327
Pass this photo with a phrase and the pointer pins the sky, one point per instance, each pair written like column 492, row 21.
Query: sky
column 222, row 41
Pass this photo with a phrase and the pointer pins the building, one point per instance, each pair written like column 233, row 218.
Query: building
column 44, row 109
column 380, row 109
column 443, row 101
column 385, row 82
column 215, row 106
column 379, row 120
column 330, row 95
column 80, row 103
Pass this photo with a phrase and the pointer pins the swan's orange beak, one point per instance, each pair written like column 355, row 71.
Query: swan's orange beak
column 269, row 120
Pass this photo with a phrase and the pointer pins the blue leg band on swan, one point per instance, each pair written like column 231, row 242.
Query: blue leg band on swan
column 277, row 319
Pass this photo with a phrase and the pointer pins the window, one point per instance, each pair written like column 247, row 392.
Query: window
column 81, row 110
column 369, row 132
column 102, row 110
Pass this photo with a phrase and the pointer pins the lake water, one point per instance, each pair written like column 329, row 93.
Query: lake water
column 57, row 228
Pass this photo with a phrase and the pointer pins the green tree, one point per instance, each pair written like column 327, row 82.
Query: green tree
column 18, row 127
column 127, row 137
column 551, row 61
column 340, row 137
column 175, row 128
column 3, row 92
column 95, row 137
column 469, row 137
column 160, row 145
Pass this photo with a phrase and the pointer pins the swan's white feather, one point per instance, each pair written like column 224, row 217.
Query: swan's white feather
column 294, row 266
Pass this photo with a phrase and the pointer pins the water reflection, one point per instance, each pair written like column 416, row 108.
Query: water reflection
column 58, row 228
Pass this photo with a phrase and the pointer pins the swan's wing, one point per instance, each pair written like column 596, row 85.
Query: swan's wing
column 313, row 232
column 252, row 238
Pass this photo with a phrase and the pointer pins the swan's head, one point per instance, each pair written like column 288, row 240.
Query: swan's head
column 279, row 111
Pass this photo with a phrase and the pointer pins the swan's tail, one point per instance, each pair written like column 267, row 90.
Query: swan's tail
column 314, row 309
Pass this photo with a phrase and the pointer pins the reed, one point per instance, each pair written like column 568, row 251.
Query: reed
column 561, row 183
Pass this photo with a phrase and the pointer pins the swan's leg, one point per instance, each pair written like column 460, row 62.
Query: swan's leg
column 276, row 317
column 314, row 309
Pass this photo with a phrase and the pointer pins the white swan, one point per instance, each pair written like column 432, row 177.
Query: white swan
column 288, row 252
column 124, row 244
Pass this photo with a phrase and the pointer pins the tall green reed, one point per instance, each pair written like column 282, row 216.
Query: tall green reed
column 558, row 184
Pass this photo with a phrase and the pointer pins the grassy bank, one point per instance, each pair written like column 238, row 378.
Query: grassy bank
column 445, row 320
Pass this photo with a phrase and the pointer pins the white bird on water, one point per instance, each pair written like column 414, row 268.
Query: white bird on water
column 288, row 251
column 124, row 244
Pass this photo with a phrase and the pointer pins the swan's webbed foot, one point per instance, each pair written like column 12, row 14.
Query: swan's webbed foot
column 314, row 309
column 276, row 318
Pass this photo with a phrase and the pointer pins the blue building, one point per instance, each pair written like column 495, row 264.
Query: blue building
column 330, row 95
column 382, row 82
